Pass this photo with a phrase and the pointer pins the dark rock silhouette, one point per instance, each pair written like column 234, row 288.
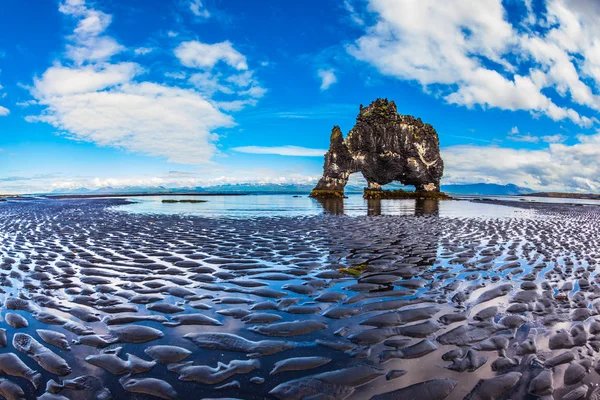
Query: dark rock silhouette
column 385, row 147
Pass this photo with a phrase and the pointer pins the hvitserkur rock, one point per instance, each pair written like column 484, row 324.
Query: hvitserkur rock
column 385, row 147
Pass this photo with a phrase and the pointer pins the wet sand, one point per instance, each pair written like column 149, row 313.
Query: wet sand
column 99, row 303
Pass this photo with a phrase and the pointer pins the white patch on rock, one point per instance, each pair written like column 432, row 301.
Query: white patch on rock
column 421, row 150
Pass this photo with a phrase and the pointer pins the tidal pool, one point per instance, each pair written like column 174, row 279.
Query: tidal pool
column 298, row 299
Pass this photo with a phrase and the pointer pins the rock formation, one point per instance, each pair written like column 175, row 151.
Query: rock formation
column 385, row 147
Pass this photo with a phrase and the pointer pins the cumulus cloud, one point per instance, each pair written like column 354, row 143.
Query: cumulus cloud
column 328, row 78
column 146, row 117
column 208, row 58
column 4, row 111
column 244, row 85
column 281, row 151
column 558, row 167
column 473, row 55
column 196, row 54
column 88, row 97
column 64, row 81
column 88, row 44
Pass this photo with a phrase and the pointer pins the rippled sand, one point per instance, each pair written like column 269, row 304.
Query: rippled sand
column 100, row 303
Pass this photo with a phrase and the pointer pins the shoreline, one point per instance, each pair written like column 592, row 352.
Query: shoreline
column 560, row 195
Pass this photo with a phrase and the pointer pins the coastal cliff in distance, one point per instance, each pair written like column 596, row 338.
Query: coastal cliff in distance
column 385, row 147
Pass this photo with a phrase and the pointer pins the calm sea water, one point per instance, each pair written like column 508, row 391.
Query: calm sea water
column 292, row 206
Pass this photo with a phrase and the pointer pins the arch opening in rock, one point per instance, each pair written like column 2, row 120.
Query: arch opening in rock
column 384, row 147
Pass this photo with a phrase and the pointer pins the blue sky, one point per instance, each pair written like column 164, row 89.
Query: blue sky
column 195, row 93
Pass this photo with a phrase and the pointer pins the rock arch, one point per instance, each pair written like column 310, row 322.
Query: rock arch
column 385, row 147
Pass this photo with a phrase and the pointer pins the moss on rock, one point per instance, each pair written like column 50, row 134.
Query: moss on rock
column 327, row 194
column 401, row 194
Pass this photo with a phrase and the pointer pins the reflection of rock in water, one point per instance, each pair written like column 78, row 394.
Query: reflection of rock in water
column 332, row 205
column 373, row 207
column 427, row 207
column 422, row 207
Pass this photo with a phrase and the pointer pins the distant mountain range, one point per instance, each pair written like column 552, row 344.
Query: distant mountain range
column 486, row 189
column 477, row 189
column 560, row 195
column 247, row 188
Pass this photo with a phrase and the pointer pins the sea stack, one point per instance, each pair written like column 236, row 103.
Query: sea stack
column 385, row 147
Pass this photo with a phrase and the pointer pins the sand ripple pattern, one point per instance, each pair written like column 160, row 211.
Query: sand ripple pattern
column 101, row 304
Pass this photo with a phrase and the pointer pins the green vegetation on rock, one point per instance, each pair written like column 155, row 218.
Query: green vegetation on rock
column 327, row 194
column 401, row 194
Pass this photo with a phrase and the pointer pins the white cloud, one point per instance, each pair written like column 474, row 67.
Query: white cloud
column 142, row 51
column 63, row 81
column 558, row 138
column 26, row 103
column 173, row 179
column 88, row 44
column 328, row 78
column 198, row 9
column 209, row 84
column 244, row 79
column 94, row 23
column 281, row 151
column 73, row 7
column 3, row 110
column 176, row 75
column 527, row 138
column 195, row 54
column 212, row 80
column 94, row 50
column 148, row 118
column 235, row 105
column 475, row 56
column 89, row 98
column 558, row 167
column 354, row 15
column 517, row 136
column 254, row 91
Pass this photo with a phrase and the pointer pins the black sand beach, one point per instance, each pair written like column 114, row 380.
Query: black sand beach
column 99, row 303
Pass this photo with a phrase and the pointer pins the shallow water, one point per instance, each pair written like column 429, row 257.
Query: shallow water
column 252, row 206
column 372, row 295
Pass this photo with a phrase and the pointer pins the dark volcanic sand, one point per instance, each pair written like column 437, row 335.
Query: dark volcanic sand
column 476, row 308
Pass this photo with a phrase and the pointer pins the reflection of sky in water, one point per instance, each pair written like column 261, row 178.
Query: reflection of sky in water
column 290, row 206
